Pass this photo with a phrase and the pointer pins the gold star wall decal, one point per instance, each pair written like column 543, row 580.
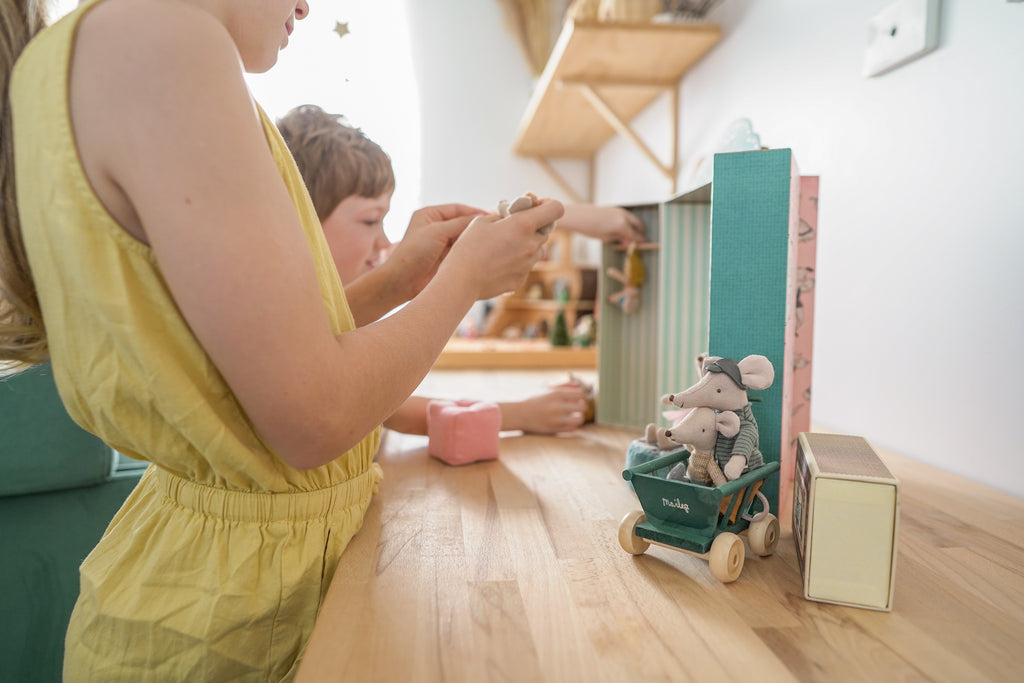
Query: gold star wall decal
column 341, row 29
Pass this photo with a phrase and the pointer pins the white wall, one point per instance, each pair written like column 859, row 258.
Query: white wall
column 474, row 85
column 369, row 80
column 920, row 301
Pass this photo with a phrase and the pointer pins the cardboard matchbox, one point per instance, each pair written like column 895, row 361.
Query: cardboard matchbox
column 845, row 518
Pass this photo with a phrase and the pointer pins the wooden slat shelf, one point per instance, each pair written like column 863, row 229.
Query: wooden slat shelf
column 507, row 353
column 627, row 65
column 549, row 305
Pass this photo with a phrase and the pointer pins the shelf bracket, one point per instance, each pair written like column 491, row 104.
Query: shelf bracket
column 564, row 185
column 622, row 128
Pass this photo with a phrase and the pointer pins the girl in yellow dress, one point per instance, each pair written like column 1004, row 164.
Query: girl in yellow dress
column 158, row 246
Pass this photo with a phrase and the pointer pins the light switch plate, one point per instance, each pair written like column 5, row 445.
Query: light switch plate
column 900, row 33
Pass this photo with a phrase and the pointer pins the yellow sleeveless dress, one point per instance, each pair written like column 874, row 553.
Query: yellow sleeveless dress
column 216, row 565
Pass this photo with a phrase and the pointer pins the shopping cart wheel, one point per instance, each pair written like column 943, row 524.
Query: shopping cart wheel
column 726, row 557
column 630, row 542
column 763, row 535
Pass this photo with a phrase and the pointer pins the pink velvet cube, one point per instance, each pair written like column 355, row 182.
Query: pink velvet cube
column 462, row 432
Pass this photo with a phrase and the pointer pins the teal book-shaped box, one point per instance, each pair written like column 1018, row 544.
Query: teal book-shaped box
column 723, row 281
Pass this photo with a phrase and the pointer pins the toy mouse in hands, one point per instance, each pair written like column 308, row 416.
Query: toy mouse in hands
column 520, row 203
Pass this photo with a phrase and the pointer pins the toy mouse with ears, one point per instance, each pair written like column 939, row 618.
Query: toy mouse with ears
column 699, row 431
column 723, row 386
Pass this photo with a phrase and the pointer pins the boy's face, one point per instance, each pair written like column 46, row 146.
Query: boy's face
column 355, row 233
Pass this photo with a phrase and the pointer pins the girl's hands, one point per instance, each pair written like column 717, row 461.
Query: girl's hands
column 432, row 231
column 494, row 255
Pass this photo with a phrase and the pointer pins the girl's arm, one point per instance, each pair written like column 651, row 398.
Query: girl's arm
column 171, row 141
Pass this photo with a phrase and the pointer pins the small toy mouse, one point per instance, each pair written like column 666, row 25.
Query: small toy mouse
column 723, row 386
column 699, row 431
column 526, row 201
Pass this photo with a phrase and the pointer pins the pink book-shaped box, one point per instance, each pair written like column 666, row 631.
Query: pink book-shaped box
column 803, row 335
column 462, row 432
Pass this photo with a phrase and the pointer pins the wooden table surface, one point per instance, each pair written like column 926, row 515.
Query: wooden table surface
column 510, row 570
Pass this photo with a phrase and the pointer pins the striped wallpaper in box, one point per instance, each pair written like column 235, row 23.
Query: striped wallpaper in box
column 685, row 289
column 627, row 348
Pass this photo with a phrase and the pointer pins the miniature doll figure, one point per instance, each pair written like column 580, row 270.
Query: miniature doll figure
column 632, row 278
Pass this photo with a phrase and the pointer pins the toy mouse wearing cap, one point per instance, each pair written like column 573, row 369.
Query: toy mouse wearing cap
column 723, row 386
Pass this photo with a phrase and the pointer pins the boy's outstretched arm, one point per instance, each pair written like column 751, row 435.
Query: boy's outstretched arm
column 559, row 409
column 606, row 223
column 411, row 417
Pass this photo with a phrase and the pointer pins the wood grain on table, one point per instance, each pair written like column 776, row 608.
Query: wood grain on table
column 511, row 570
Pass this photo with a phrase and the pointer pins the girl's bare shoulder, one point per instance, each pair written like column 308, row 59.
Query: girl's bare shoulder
column 152, row 36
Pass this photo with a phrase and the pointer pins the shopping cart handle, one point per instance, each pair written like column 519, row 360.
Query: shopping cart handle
column 656, row 464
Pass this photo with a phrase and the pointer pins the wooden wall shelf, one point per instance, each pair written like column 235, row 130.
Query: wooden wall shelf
column 599, row 77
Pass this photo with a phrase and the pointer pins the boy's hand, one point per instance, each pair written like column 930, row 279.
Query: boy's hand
column 606, row 223
column 560, row 409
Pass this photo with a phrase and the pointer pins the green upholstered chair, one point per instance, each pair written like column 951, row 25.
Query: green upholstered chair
column 59, row 488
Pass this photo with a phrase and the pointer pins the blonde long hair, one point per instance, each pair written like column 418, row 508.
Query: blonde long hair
column 22, row 335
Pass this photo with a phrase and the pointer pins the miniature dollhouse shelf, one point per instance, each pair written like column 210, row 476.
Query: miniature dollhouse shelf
column 487, row 353
column 599, row 77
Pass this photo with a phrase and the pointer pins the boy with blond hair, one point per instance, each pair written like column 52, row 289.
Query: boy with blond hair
column 351, row 180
